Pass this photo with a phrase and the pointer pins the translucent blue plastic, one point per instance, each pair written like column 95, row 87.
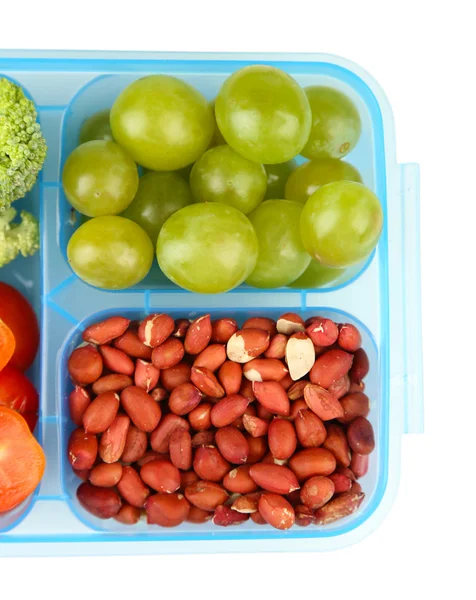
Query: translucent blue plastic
column 382, row 299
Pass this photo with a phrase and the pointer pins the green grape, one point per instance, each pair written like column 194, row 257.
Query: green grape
column 282, row 257
column 100, row 178
column 277, row 176
column 217, row 139
column 222, row 175
column 335, row 123
column 341, row 223
column 110, row 252
column 317, row 276
column 185, row 172
column 207, row 248
column 164, row 123
column 310, row 176
column 96, row 127
column 263, row 114
column 159, row 196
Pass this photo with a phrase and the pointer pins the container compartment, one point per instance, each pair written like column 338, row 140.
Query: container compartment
column 100, row 93
column 373, row 484
column 382, row 299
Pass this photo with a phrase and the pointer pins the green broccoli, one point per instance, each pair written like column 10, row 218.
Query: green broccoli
column 17, row 238
column 22, row 145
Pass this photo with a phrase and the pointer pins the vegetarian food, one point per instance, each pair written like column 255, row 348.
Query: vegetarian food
column 278, row 175
column 336, row 125
column 19, row 394
column 7, row 344
column 310, row 176
column 22, row 461
column 222, row 175
column 17, row 237
column 158, row 197
column 263, row 114
column 162, row 122
column 219, row 423
column 238, row 151
column 18, row 315
column 207, row 247
column 22, row 145
column 282, row 257
column 100, row 178
column 317, row 275
column 341, row 223
column 110, row 252
column 97, row 127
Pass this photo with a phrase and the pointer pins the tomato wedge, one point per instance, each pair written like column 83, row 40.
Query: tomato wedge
column 7, row 344
column 16, row 312
column 19, row 394
column 22, row 460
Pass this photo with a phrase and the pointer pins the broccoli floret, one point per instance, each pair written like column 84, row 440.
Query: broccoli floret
column 17, row 238
column 22, row 145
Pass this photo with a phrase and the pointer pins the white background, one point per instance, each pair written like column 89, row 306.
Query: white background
column 424, row 58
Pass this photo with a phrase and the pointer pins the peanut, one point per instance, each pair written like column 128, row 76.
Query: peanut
column 282, row 438
column 106, row 331
column 167, row 510
column 144, row 412
column 103, row 503
column 155, row 329
column 106, row 475
column 180, row 449
column 101, row 412
column 82, row 450
column 115, row 382
column 349, row 337
column 135, row 446
column 168, row 354
column 222, row 330
column 85, row 365
column 206, row 495
column 317, row 491
column 209, row 464
column 310, row 429
column 79, row 400
column 212, row 358
column 230, row 376
column 239, row 481
column 360, row 434
column 116, row 360
column 232, row 444
column 198, row 335
column 184, row 398
column 199, row 418
column 276, row 511
column 268, row 325
column 113, row 440
column 312, row 461
column 274, row 478
column 131, row 487
column 161, row 476
column 336, row 442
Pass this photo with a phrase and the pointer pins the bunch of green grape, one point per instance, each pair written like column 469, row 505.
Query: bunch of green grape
column 221, row 199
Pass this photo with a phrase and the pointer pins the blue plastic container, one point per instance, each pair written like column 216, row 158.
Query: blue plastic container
column 383, row 300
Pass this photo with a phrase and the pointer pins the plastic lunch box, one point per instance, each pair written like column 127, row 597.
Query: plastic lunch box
column 383, row 300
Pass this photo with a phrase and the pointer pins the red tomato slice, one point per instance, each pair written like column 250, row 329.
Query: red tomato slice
column 7, row 344
column 18, row 314
column 22, row 460
column 18, row 393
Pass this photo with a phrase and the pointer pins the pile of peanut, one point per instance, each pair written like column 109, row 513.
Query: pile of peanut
column 199, row 420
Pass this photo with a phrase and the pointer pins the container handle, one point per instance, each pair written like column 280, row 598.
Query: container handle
column 411, row 292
